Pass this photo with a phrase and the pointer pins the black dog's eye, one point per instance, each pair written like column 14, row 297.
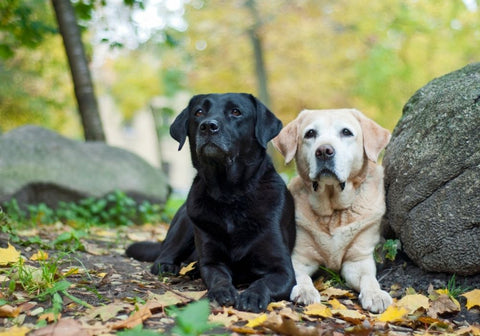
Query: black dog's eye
column 198, row 113
column 310, row 134
column 346, row 132
column 236, row 112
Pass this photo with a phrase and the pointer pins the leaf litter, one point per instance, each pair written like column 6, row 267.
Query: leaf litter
column 110, row 294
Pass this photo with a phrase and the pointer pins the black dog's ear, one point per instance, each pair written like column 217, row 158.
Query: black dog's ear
column 179, row 128
column 267, row 125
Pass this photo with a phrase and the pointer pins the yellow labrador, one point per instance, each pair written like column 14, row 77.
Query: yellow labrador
column 339, row 199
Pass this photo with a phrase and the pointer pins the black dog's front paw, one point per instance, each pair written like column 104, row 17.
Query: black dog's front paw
column 164, row 268
column 225, row 296
column 253, row 301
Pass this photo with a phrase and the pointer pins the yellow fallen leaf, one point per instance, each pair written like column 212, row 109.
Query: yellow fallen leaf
column 414, row 302
column 8, row 255
column 335, row 292
column 349, row 315
column 318, row 309
column 393, row 314
column 336, row 304
column 15, row 331
column 257, row 321
column 40, row 255
column 188, row 268
column 276, row 305
column 473, row 298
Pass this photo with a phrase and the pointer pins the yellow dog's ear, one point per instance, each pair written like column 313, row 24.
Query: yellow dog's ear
column 375, row 137
column 286, row 141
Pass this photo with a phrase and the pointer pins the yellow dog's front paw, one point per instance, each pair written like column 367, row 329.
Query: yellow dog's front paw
column 375, row 301
column 305, row 294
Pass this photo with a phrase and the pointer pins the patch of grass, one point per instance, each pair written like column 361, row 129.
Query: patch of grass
column 454, row 290
column 334, row 277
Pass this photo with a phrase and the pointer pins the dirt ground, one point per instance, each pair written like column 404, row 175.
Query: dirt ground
column 108, row 276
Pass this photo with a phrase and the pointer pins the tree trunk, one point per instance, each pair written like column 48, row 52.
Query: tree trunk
column 82, row 81
column 258, row 53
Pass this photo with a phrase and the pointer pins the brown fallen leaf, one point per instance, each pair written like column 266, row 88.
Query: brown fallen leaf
column 223, row 318
column 49, row 317
column 442, row 305
column 336, row 292
column 284, row 326
column 133, row 320
column 9, row 311
column 63, row 327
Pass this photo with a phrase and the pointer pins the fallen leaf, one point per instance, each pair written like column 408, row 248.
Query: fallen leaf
column 106, row 312
column 64, row 327
column 277, row 305
column 15, row 331
column 39, row 256
column 289, row 313
column 257, row 321
column 443, row 305
column 188, row 268
column 49, row 317
column 133, row 320
column 336, row 292
column 414, row 302
column 393, row 314
column 9, row 311
column 336, row 304
column 8, row 255
column 318, row 309
column 349, row 315
column 170, row 298
column 242, row 315
column 223, row 318
column 473, row 298
column 284, row 326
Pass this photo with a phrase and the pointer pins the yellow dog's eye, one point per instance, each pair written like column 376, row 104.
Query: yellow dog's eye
column 346, row 132
column 310, row 134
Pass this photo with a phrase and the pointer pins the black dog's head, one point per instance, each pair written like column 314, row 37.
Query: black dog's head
column 221, row 127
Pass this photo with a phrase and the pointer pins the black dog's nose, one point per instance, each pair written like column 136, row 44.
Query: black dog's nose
column 325, row 152
column 210, row 126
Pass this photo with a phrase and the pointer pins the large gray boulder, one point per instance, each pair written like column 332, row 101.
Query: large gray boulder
column 38, row 165
column 432, row 174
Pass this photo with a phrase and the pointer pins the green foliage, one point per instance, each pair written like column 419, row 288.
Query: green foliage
column 116, row 209
column 387, row 250
column 193, row 319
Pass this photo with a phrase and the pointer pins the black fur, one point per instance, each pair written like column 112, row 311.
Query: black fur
column 238, row 218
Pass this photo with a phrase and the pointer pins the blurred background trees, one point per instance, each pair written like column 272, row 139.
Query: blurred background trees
column 316, row 53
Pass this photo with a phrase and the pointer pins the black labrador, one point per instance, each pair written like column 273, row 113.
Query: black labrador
column 238, row 218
